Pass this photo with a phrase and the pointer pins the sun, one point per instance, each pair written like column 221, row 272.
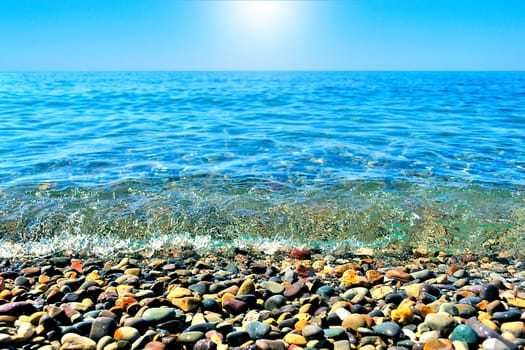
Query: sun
column 261, row 16
column 262, row 11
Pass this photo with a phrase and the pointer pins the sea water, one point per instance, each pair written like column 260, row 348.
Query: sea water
column 96, row 162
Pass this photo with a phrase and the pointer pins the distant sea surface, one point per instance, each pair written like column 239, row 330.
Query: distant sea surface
column 96, row 162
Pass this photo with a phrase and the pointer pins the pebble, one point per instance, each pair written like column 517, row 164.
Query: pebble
column 440, row 321
column 274, row 302
column 296, row 339
column 156, row 315
column 389, row 329
column 312, row 332
column 494, row 344
column 258, row 330
column 190, row 337
column 102, row 326
column 465, row 334
column 237, row 338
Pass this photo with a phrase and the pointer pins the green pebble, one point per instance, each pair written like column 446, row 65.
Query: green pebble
column 190, row 337
column 159, row 314
column 464, row 333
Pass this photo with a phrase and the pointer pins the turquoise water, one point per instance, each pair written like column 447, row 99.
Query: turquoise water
column 333, row 159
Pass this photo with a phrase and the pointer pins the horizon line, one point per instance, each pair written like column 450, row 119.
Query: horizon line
column 248, row 70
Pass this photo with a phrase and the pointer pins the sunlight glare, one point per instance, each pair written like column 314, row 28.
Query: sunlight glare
column 261, row 17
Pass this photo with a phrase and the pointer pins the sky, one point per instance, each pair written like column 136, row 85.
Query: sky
column 262, row 35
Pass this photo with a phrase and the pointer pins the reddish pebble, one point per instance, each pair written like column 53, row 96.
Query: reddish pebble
column 154, row 345
column 302, row 254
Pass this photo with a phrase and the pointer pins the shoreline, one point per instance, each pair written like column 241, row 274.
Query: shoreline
column 247, row 298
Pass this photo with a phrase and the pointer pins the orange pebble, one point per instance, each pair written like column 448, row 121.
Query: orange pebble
column 125, row 302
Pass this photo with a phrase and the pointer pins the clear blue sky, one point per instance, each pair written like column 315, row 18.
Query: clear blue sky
column 254, row 35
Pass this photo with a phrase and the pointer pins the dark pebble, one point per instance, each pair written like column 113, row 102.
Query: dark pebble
column 507, row 316
column 389, row 329
column 204, row 344
column 274, row 302
column 212, row 305
column 102, row 326
column 17, row 308
column 235, row 306
column 237, row 338
column 490, row 292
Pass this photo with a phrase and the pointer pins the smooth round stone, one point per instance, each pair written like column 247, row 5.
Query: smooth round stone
column 353, row 322
column 60, row 261
column 75, row 341
column 380, row 292
column 516, row 328
column 507, row 316
column 199, row 288
column 274, row 302
column 129, row 334
column 258, row 330
column 22, row 281
column 104, row 341
column 293, row 290
column 138, row 323
column 325, row 292
column 394, row 298
column 190, row 337
column 406, row 343
column 342, row 345
column 267, row 344
column 237, row 338
column 459, row 345
column 187, row 304
column 288, row 323
column 202, row 327
column 17, row 308
column 247, row 287
column 460, row 273
column 358, row 309
column 209, row 304
column 438, row 344
column 449, row 308
column 389, row 329
column 156, row 315
column 172, row 326
column 312, row 332
column 235, row 306
column 494, row 344
column 333, row 332
column 471, row 301
column 272, row 287
column 464, row 333
column 422, row 274
column 342, row 313
column 154, row 345
column 296, row 339
column 48, row 322
column 440, row 321
column 466, row 310
column 25, row 331
column 102, row 326
column 355, row 295
column 489, row 292
column 204, row 344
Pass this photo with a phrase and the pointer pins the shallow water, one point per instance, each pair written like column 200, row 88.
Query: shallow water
column 133, row 160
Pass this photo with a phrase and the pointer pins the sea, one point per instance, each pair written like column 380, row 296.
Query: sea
column 101, row 163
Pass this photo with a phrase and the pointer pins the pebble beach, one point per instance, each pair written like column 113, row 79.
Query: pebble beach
column 247, row 299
